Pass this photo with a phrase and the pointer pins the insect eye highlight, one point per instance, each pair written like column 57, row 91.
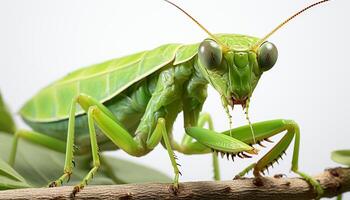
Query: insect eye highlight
column 210, row 54
column 267, row 55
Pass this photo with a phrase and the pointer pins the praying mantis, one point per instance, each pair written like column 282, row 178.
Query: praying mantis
column 131, row 103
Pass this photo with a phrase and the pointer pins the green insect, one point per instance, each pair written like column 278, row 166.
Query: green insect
column 130, row 103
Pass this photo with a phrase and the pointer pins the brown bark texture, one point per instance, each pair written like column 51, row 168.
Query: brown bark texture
column 334, row 181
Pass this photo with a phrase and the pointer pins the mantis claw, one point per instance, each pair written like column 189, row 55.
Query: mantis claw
column 258, row 181
column 76, row 189
column 59, row 181
column 175, row 188
column 53, row 184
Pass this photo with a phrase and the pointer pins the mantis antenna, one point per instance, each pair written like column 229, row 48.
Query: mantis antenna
column 256, row 46
column 223, row 46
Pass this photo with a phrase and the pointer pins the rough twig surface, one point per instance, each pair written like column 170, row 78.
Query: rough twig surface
column 335, row 181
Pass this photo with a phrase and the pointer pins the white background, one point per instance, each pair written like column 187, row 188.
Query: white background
column 42, row 40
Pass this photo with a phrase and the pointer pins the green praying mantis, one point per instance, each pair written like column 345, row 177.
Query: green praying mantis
column 131, row 103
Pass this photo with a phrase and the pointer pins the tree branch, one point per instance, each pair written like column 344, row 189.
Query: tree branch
column 335, row 181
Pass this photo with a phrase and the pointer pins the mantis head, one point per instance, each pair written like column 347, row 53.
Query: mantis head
column 234, row 70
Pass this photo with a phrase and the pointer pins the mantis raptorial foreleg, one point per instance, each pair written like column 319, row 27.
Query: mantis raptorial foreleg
column 264, row 130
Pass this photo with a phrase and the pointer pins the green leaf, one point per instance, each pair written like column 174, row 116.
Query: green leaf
column 39, row 166
column 9, row 178
column 341, row 156
column 6, row 122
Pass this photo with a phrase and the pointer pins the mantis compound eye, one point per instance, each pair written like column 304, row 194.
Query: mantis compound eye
column 267, row 55
column 210, row 54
